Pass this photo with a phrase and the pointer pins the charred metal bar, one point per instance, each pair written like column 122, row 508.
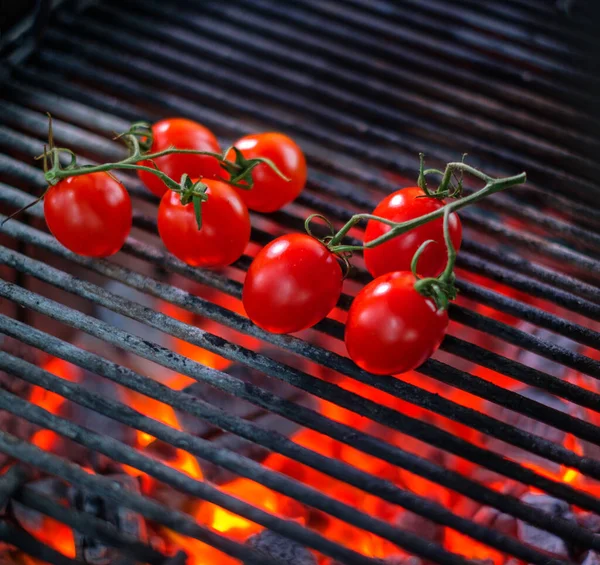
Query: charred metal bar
column 207, row 412
column 130, row 457
column 410, row 426
column 202, row 490
column 89, row 525
column 175, row 520
column 176, row 296
column 247, row 38
column 331, row 392
column 10, row 482
column 31, row 546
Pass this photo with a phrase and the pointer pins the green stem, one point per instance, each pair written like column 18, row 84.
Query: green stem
column 492, row 186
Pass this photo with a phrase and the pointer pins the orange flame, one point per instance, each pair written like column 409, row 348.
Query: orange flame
column 235, row 526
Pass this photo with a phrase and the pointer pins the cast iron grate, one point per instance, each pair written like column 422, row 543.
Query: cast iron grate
column 506, row 83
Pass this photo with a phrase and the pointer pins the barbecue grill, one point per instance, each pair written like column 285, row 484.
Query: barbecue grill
column 512, row 398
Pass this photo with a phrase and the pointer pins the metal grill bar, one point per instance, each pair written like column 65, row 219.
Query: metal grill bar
column 344, row 68
column 130, row 339
column 87, row 524
column 129, row 456
column 585, row 306
column 374, row 87
column 500, row 396
column 472, row 384
column 104, row 487
column 199, row 489
column 186, row 304
column 32, row 546
column 297, row 378
column 582, row 262
column 374, row 447
column 137, row 65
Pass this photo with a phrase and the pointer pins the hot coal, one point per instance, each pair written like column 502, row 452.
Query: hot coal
column 233, row 405
column 281, row 548
column 11, row 423
column 420, row 526
column 50, row 487
column 540, row 539
column 530, row 425
column 127, row 521
column 12, row 480
column 94, row 421
column 589, row 521
column 238, row 407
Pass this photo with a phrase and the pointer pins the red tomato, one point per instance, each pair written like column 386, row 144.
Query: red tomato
column 270, row 192
column 183, row 134
column 292, row 284
column 397, row 254
column 391, row 328
column 225, row 228
column 89, row 214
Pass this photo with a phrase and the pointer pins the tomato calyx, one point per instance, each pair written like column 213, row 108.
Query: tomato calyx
column 139, row 139
column 240, row 170
column 440, row 289
column 343, row 256
column 451, row 185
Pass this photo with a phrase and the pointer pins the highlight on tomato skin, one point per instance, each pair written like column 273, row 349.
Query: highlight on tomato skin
column 292, row 284
column 182, row 134
column 89, row 214
column 396, row 255
column 391, row 328
column 271, row 192
column 225, row 230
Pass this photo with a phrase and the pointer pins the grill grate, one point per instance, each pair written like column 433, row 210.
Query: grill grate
column 507, row 83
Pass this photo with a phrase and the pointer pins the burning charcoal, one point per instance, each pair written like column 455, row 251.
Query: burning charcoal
column 95, row 421
column 125, row 520
column 589, row 521
column 9, row 422
column 540, row 539
column 233, row 405
column 180, row 558
column 51, row 487
column 243, row 409
column 10, row 482
column 420, row 526
column 530, row 425
column 281, row 548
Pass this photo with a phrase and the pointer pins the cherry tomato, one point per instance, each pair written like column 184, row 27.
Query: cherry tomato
column 270, row 192
column 89, row 214
column 397, row 254
column 292, row 284
column 391, row 328
column 225, row 228
column 183, row 134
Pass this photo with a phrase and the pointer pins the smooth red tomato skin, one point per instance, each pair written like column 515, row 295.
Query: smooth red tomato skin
column 397, row 254
column 183, row 134
column 391, row 328
column 225, row 228
column 270, row 192
column 292, row 284
column 89, row 214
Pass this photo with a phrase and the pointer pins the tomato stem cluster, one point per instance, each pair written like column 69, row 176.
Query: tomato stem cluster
column 139, row 139
column 441, row 289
